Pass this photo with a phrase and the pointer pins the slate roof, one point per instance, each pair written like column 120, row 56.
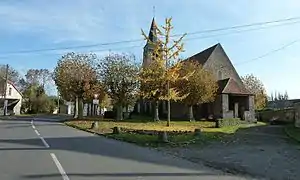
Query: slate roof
column 230, row 86
column 203, row 56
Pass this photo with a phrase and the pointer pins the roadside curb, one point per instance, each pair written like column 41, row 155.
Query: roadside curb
column 82, row 129
column 289, row 135
column 99, row 134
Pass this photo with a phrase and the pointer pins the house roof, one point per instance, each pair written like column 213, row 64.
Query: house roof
column 13, row 85
column 230, row 86
column 203, row 56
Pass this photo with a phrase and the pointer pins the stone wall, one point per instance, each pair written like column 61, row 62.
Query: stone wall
column 221, row 66
column 225, row 107
column 285, row 115
column 297, row 116
column 250, row 115
column 218, row 106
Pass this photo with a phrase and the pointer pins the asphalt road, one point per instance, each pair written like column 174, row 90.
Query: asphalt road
column 44, row 149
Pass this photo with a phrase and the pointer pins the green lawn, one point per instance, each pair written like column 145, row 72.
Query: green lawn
column 293, row 132
column 209, row 132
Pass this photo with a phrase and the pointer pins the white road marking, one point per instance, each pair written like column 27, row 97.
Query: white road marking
column 37, row 132
column 59, row 167
column 45, row 143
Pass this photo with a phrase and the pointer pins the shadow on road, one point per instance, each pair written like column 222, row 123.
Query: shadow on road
column 100, row 146
column 85, row 175
column 96, row 145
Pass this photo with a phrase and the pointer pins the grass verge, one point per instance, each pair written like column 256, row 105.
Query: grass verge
column 208, row 134
column 293, row 132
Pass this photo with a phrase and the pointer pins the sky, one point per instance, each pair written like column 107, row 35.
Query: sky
column 41, row 24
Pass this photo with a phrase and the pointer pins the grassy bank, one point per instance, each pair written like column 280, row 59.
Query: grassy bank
column 293, row 132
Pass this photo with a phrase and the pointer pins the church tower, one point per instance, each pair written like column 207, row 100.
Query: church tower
column 148, row 48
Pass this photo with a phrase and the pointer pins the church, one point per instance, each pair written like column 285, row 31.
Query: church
column 233, row 100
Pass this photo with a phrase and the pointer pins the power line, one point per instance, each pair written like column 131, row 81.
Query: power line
column 138, row 40
column 246, row 25
column 241, row 31
column 92, row 51
column 269, row 53
column 188, row 39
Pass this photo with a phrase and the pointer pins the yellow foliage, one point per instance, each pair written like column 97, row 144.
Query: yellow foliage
column 200, row 85
column 164, row 68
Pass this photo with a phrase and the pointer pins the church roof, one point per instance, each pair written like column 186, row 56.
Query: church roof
column 230, row 86
column 203, row 56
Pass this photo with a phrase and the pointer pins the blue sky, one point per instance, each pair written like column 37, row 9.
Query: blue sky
column 40, row 24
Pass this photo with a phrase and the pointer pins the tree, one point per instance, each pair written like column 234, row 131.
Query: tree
column 75, row 75
column 35, row 100
column 280, row 100
column 38, row 76
column 119, row 76
column 32, row 76
column 255, row 86
column 165, row 59
column 153, row 85
column 201, row 85
column 13, row 76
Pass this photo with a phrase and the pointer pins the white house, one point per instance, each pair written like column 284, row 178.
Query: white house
column 14, row 97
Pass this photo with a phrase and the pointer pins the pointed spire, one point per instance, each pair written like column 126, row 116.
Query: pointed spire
column 153, row 31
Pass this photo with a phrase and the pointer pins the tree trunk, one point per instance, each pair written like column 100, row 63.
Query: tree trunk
column 169, row 113
column 88, row 110
column 119, row 113
column 156, row 112
column 191, row 113
column 76, row 108
column 80, row 108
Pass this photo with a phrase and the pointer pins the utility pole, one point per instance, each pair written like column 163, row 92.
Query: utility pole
column 5, row 88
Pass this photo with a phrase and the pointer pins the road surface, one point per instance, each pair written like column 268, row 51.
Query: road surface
column 45, row 149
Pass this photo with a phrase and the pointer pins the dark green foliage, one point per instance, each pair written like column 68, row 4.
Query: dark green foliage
column 36, row 100
column 228, row 122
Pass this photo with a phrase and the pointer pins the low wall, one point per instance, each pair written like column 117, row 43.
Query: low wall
column 285, row 115
column 297, row 117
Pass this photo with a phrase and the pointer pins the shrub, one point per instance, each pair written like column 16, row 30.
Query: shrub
column 228, row 122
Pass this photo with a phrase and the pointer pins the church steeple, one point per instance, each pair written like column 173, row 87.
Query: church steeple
column 153, row 31
column 149, row 47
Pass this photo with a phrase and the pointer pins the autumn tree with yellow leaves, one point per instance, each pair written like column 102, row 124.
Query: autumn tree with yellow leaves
column 119, row 76
column 158, row 78
column 255, row 86
column 77, row 80
column 201, row 86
